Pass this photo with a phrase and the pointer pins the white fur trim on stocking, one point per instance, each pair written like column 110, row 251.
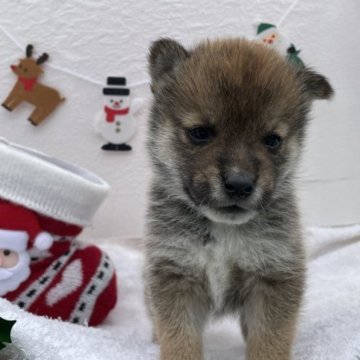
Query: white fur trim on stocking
column 49, row 186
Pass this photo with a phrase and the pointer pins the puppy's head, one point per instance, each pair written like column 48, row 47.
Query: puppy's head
column 227, row 123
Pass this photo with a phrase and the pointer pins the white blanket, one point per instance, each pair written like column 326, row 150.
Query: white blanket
column 329, row 327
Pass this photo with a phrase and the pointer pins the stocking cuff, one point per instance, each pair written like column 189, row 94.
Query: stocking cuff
column 49, row 186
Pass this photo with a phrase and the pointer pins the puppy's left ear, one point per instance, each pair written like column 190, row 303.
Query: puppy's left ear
column 165, row 55
column 316, row 86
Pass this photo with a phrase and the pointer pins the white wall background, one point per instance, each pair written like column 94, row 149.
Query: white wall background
column 102, row 38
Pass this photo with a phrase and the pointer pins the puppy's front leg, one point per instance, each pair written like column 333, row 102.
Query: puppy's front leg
column 270, row 315
column 179, row 308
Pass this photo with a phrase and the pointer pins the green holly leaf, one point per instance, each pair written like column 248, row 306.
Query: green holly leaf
column 5, row 331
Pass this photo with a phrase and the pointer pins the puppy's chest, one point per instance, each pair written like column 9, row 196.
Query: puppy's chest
column 219, row 258
column 217, row 262
column 229, row 259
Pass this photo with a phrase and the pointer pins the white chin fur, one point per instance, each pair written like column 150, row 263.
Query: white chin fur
column 232, row 219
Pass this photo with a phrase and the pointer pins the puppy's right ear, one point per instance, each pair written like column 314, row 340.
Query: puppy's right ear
column 315, row 85
column 165, row 55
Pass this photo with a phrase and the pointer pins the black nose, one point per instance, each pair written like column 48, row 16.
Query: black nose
column 240, row 185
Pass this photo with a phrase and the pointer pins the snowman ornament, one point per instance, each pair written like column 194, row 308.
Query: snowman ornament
column 116, row 124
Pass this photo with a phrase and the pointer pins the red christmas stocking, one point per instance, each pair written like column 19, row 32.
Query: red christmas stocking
column 73, row 282
column 44, row 205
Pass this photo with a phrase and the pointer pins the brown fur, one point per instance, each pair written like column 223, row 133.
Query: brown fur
column 203, row 260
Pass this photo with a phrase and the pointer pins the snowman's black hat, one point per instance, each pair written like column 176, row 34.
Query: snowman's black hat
column 116, row 91
column 118, row 81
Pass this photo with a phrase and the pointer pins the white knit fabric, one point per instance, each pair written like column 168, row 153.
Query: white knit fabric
column 48, row 185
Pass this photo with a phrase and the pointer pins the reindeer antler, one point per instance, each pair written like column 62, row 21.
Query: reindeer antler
column 29, row 50
column 42, row 58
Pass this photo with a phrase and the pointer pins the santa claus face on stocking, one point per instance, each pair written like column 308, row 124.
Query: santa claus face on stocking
column 14, row 269
column 8, row 258
column 117, row 102
column 14, row 260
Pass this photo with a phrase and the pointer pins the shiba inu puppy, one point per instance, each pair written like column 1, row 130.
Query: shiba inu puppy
column 223, row 233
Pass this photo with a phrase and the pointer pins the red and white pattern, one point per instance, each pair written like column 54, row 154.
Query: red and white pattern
column 70, row 281
column 77, row 286
column 43, row 268
column 96, row 286
column 27, row 294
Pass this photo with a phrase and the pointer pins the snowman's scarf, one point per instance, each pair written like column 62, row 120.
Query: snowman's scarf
column 111, row 113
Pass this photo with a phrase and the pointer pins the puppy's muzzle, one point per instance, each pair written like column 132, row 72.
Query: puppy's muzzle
column 239, row 185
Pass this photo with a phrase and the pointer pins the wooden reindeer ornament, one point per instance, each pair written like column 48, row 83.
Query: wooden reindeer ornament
column 27, row 88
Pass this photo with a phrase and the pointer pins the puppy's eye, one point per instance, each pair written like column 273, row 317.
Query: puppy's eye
column 6, row 252
column 111, row 100
column 272, row 141
column 200, row 135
